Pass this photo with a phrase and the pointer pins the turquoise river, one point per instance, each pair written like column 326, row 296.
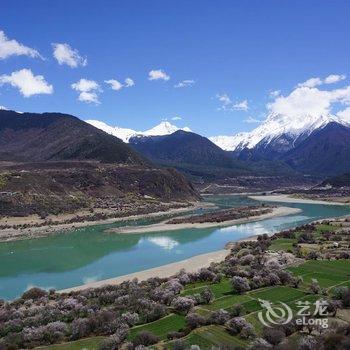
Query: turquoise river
column 89, row 254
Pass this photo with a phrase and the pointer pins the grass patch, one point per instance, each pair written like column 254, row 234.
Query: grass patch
column 321, row 228
column 277, row 293
column 284, row 244
column 161, row 328
column 226, row 302
column 209, row 336
column 327, row 273
column 86, row 344
column 219, row 289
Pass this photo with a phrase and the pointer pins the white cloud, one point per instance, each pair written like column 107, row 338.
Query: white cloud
column 331, row 79
column 274, row 93
column 251, row 120
column 312, row 82
column 176, row 118
column 228, row 105
column 224, row 98
column 27, row 83
column 185, row 83
column 334, row 78
column 129, row 82
column 158, row 74
column 241, row 106
column 344, row 114
column 89, row 97
column 309, row 101
column 88, row 90
column 85, row 85
column 12, row 47
column 3, row 108
column 64, row 54
column 114, row 84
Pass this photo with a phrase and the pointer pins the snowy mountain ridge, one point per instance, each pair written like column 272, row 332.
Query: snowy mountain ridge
column 273, row 127
column 164, row 128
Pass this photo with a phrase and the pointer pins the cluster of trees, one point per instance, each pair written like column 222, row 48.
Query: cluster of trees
column 224, row 215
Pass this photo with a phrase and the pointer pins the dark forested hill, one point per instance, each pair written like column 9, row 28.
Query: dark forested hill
column 57, row 163
column 182, row 147
column 55, row 136
column 326, row 151
column 197, row 156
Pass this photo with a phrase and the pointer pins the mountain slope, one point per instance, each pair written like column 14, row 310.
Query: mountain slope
column 164, row 128
column 278, row 133
column 184, row 147
column 326, row 151
column 318, row 144
column 338, row 181
column 190, row 153
column 55, row 136
column 54, row 163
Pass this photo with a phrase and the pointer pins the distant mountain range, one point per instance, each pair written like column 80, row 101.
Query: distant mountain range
column 308, row 144
column 316, row 145
column 278, row 132
column 281, row 145
column 164, row 128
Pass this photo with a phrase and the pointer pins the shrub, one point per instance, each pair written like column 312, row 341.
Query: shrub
column 236, row 310
column 219, row 317
column 194, row 320
column 131, row 318
column 207, row 296
column 182, row 304
column 240, row 284
column 80, row 328
column 247, row 331
column 145, row 338
column 156, row 312
column 235, row 325
column 314, row 286
column 273, row 335
column 34, row 293
column 343, row 295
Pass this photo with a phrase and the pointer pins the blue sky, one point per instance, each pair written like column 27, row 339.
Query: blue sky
column 242, row 50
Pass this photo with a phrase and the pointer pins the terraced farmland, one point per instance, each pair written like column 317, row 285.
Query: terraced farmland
column 162, row 327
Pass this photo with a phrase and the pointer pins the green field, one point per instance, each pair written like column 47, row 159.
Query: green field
column 226, row 302
column 284, row 244
column 219, row 289
column 278, row 293
column 321, row 228
column 208, row 336
column 86, row 344
column 327, row 273
column 161, row 328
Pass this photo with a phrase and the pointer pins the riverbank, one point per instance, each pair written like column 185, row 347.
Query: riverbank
column 288, row 199
column 190, row 265
column 164, row 226
column 14, row 234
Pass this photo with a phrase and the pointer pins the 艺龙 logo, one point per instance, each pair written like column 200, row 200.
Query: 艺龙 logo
column 274, row 314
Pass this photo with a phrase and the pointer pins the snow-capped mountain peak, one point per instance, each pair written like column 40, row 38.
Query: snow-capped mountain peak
column 274, row 126
column 164, row 128
column 122, row 133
